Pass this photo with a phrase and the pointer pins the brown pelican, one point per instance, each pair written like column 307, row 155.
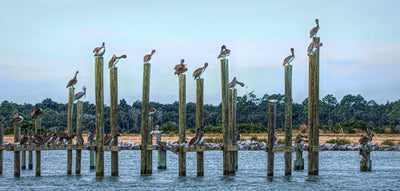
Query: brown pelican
column 114, row 60
column 290, row 58
column 38, row 139
column 180, row 68
column 17, row 118
column 233, row 83
column 79, row 95
column 195, row 139
column 224, row 52
column 35, row 112
column 152, row 111
column 24, row 138
column 313, row 31
column 2, row 118
column 99, row 51
column 147, row 58
column 73, row 81
column 108, row 139
column 299, row 139
column 91, row 137
column 312, row 48
column 199, row 71
column 201, row 136
column 79, row 138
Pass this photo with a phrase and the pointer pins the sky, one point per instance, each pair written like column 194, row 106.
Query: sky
column 43, row 43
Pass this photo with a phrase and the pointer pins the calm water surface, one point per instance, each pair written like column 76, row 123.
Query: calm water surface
column 338, row 171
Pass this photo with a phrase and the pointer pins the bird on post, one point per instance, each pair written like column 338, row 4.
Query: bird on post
column 2, row 118
column 73, row 81
column 290, row 58
column 24, row 138
column 233, row 83
column 79, row 95
column 201, row 136
column 195, row 139
column 35, row 112
column 300, row 139
column 224, row 52
column 199, row 71
column 157, row 133
column 314, row 31
column 180, row 68
column 79, row 138
column 114, row 60
column 152, row 111
column 91, row 137
column 99, row 51
column 17, row 118
column 147, row 58
column 312, row 48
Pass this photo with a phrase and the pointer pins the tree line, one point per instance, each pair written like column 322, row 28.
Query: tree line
column 351, row 114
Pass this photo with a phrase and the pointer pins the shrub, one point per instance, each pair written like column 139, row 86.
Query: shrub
column 211, row 140
column 212, row 129
column 388, row 142
column 338, row 141
column 168, row 127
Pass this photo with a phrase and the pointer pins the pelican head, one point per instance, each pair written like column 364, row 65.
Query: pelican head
column 76, row 73
column 103, row 44
column 182, row 61
column 223, row 47
column 205, row 65
column 157, row 127
column 123, row 56
column 320, row 44
column 16, row 114
column 153, row 51
column 317, row 22
column 292, row 50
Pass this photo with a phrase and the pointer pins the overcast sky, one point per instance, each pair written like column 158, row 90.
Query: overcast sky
column 43, row 43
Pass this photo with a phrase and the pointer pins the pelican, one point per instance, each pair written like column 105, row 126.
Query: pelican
column 299, row 139
column 248, row 94
column 99, row 51
column 195, row 139
column 79, row 138
column 147, row 58
column 24, row 138
column 312, row 48
column 17, row 118
column 199, row 71
column 152, row 111
column 180, row 68
column 157, row 133
column 35, row 112
column 224, row 52
column 73, row 81
column 2, row 118
column 233, row 83
column 114, row 60
column 290, row 58
column 201, row 136
column 314, row 31
column 91, row 137
column 79, row 95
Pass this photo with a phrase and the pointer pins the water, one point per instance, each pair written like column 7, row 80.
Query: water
column 338, row 171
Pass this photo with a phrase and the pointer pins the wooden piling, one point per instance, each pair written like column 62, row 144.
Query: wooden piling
column 38, row 153
column 69, row 125
column 299, row 162
column 162, row 158
column 17, row 159
column 225, row 115
column 271, row 137
column 182, row 123
column 231, row 162
column 114, row 117
column 200, row 121
column 288, row 118
column 30, row 160
column 313, row 111
column 366, row 164
column 99, row 88
column 79, row 120
column 91, row 155
column 1, row 150
column 146, row 155
column 234, row 141
column 23, row 160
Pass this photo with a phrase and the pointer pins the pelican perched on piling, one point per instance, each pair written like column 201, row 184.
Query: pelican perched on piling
column 79, row 95
column 314, row 31
column 157, row 133
column 17, row 118
column 79, row 138
column 73, row 81
column 99, row 51
column 312, row 48
column 147, row 58
column 289, row 58
column 233, row 83
column 92, row 137
column 224, row 52
column 199, row 71
column 300, row 139
column 108, row 139
column 195, row 139
column 152, row 111
column 114, row 60
column 35, row 112
column 201, row 136
column 180, row 68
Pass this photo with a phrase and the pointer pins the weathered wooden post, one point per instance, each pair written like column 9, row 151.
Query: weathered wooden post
column 182, row 124
column 162, row 158
column 17, row 159
column 231, row 163
column 299, row 162
column 146, row 155
column 288, row 118
column 114, row 117
column 69, row 125
column 99, row 88
column 200, row 122
column 23, row 153
column 38, row 152
column 79, row 120
column 271, row 138
column 235, row 153
column 1, row 150
column 225, row 115
column 30, row 160
column 91, row 155
column 313, row 111
column 366, row 163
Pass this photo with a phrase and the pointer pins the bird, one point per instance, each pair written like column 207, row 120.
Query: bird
column 108, row 139
column 312, row 48
column 199, row 71
column 314, row 31
column 17, row 118
column 152, row 111
column 201, row 136
column 35, row 112
column 99, row 51
column 180, row 68
column 290, row 58
column 224, row 52
column 24, row 138
column 91, row 137
column 2, row 118
column 195, row 139
column 157, row 133
column 73, row 81
column 299, row 139
column 114, row 60
column 79, row 95
column 147, row 58
column 238, row 136
column 233, row 83
column 248, row 94
column 79, row 138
